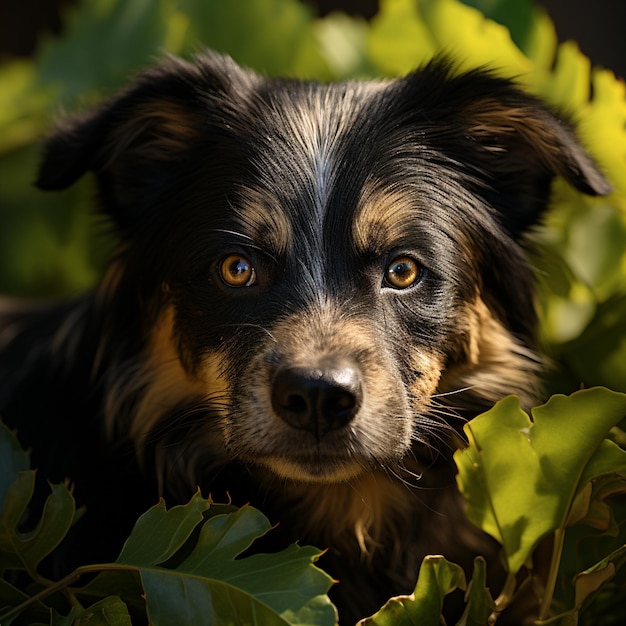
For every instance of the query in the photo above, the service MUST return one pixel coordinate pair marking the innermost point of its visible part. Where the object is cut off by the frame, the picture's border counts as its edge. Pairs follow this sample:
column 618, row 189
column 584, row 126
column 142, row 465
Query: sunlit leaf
column 399, row 40
column 480, row 604
column 437, row 578
column 24, row 113
column 343, row 44
column 519, row 479
column 465, row 34
column 517, row 15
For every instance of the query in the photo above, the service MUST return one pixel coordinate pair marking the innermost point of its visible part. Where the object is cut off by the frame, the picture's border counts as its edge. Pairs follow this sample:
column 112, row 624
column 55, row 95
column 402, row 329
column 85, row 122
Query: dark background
column 597, row 25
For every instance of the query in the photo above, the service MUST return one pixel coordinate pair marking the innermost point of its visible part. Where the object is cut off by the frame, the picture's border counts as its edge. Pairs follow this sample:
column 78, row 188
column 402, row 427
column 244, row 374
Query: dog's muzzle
column 317, row 399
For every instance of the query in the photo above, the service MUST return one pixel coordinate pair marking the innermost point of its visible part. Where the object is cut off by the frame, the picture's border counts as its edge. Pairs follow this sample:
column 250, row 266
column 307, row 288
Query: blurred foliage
column 50, row 244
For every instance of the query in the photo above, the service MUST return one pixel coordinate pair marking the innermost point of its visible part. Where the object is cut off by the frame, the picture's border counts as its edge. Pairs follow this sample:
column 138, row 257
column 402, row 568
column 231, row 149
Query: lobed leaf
column 25, row 550
column 160, row 533
column 209, row 582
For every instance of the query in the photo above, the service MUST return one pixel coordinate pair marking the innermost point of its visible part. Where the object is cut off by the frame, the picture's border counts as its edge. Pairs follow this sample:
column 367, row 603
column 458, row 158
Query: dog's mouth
column 313, row 469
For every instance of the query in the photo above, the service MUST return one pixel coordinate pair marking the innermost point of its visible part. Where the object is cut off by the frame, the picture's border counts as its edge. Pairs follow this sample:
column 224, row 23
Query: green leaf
column 160, row 533
column 406, row 33
column 110, row 611
column 437, row 578
column 183, row 600
column 25, row 550
column 458, row 27
column 123, row 583
column 519, row 479
column 10, row 597
column 23, row 106
column 399, row 40
column 480, row 604
column 588, row 585
column 211, row 583
column 342, row 42
column 274, row 36
column 222, row 538
column 516, row 15
column 13, row 460
column 104, row 41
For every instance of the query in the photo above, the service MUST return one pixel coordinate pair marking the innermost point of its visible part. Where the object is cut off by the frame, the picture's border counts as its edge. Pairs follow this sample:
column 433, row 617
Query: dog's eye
column 237, row 271
column 403, row 272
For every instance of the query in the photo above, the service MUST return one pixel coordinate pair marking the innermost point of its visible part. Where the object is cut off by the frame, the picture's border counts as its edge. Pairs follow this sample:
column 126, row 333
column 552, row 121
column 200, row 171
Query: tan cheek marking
column 493, row 364
column 430, row 367
column 166, row 384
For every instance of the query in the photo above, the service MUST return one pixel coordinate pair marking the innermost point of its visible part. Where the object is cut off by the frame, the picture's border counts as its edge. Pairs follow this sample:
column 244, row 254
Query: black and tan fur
column 322, row 392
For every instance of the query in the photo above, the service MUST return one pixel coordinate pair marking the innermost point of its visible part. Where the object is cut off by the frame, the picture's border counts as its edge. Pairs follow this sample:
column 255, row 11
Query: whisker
column 235, row 233
column 445, row 394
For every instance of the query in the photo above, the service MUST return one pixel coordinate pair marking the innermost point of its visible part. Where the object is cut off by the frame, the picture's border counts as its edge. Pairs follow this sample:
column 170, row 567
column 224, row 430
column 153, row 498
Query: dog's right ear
column 135, row 141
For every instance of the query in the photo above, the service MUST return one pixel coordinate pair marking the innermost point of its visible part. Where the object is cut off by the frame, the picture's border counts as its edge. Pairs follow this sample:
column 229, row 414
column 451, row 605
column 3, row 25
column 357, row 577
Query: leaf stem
column 505, row 597
column 59, row 585
column 555, row 560
column 44, row 593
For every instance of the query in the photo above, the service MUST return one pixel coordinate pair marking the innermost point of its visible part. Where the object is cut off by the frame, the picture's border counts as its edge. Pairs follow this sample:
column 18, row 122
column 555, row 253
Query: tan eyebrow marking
column 265, row 221
column 381, row 218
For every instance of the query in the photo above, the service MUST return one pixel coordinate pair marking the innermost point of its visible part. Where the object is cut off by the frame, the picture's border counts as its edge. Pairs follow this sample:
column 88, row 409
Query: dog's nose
column 317, row 399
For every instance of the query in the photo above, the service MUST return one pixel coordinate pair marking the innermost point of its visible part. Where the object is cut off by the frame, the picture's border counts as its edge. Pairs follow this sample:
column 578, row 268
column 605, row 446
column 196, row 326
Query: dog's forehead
column 320, row 154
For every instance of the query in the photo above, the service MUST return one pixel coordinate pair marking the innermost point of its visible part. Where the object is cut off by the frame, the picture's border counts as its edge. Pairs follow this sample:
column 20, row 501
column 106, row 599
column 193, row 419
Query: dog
column 316, row 286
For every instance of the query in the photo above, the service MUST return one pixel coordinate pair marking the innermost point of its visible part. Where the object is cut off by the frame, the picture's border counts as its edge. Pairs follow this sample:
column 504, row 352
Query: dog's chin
column 313, row 470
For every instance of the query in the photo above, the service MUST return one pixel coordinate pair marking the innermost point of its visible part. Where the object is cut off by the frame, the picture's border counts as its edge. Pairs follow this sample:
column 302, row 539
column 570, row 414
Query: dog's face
column 323, row 274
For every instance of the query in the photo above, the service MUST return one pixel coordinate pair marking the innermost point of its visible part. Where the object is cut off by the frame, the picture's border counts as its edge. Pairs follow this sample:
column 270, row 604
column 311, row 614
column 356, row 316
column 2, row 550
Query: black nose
column 317, row 399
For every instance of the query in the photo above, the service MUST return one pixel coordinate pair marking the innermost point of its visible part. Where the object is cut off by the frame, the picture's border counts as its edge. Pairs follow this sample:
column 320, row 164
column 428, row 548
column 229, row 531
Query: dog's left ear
column 508, row 142
column 522, row 146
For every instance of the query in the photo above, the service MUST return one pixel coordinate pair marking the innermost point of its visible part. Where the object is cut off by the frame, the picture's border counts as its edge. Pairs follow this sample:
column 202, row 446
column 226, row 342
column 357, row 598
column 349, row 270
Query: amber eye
column 237, row 271
column 403, row 272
